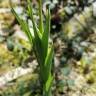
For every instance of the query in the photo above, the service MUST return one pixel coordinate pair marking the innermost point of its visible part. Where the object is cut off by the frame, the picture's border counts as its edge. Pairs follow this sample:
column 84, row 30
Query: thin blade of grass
column 37, row 35
column 30, row 11
column 45, row 37
column 48, row 85
column 24, row 26
column 41, row 17
column 48, row 62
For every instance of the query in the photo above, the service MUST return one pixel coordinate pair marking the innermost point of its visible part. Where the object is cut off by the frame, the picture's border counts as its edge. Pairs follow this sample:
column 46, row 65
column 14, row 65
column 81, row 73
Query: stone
column 94, row 9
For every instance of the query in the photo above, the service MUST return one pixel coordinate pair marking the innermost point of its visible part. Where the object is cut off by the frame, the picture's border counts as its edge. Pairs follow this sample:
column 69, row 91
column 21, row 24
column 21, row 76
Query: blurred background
column 73, row 31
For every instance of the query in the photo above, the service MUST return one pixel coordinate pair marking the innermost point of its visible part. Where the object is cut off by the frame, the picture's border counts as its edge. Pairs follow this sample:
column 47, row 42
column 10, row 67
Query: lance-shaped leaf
column 48, row 62
column 48, row 85
column 37, row 35
column 45, row 37
column 30, row 12
column 24, row 26
column 41, row 18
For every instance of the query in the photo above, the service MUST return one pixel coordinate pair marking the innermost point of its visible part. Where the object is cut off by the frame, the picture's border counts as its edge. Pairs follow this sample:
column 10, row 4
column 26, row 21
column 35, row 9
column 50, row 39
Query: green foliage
column 40, row 41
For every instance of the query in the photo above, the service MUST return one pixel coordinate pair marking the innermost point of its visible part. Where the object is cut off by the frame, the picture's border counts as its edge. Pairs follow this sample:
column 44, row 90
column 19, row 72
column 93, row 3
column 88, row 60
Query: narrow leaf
column 24, row 26
column 40, row 15
column 36, row 30
column 45, row 37
column 49, row 84
column 48, row 62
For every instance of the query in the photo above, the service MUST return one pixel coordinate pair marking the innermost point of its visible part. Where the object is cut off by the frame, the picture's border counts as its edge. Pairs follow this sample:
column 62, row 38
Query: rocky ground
column 75, row 52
